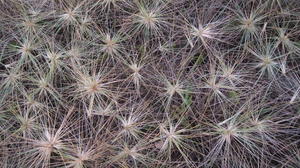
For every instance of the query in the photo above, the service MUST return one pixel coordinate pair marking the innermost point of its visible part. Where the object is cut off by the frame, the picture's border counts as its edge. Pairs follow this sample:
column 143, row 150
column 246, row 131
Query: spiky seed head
column 43, row 84
column 48, row 143
column 248, row 24
column 148, row 18
column 69, row 15
column 202, row 32
column 228, row 133
column 172, row 89
column 135, row 67
column 26, row 48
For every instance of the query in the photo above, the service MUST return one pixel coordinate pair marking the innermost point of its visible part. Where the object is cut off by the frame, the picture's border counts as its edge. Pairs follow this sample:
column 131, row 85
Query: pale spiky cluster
column 149, row 83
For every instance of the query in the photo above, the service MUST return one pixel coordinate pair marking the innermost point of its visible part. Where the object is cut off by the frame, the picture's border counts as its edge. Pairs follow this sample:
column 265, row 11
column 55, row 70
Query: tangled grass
column 149, row 83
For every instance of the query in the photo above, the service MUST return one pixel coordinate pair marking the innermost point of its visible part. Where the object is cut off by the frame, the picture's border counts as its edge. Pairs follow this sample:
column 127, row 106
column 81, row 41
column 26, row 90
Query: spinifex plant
column 149, row 83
